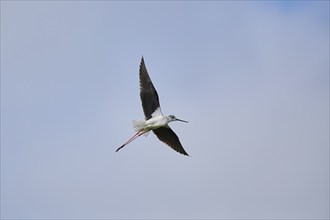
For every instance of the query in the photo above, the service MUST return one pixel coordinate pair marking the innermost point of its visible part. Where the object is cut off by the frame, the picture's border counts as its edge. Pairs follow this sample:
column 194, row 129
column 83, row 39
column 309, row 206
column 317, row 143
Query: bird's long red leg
column 136, row 135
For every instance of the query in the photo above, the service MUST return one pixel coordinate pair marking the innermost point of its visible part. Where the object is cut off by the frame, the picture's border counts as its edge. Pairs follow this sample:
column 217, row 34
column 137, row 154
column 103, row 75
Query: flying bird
column 154, row 119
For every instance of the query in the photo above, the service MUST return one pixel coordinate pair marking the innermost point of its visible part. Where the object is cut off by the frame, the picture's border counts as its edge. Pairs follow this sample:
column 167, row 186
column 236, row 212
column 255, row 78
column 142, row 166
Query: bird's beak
column 181, row 120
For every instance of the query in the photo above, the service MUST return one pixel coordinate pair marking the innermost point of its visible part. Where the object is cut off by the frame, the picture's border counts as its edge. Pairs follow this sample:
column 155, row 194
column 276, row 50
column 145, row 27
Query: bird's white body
column 156, row 121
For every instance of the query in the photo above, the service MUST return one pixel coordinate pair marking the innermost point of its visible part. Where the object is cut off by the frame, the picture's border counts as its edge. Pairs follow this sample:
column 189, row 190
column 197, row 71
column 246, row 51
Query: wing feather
column 167, row 135
column 148, row 93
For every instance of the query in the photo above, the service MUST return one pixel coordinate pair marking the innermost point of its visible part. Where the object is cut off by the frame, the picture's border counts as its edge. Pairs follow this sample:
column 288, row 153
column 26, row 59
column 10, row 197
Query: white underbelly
column 156, row 122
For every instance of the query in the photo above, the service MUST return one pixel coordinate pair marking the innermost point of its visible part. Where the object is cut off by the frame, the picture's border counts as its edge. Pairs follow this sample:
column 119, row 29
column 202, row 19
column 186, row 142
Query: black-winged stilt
column 154, row 119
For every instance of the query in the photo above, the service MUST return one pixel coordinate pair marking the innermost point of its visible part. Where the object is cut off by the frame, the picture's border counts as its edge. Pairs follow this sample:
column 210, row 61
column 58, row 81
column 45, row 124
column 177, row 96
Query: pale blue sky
column 251, row 77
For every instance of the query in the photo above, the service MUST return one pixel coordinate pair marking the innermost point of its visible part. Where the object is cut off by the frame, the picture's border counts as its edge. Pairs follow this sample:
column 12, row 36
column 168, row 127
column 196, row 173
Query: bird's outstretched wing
column 148, row 93
column 167, row 135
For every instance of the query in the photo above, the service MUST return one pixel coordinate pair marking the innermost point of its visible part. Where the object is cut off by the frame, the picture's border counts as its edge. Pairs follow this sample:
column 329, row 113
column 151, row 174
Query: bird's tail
column 139, row 125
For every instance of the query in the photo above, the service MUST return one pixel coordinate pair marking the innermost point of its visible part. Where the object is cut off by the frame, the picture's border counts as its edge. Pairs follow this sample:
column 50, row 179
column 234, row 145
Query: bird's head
column 173, row 118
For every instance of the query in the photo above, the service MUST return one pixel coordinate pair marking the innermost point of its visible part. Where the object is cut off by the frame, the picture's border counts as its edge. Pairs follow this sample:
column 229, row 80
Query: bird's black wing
column 167, row 135
column 148, row 93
